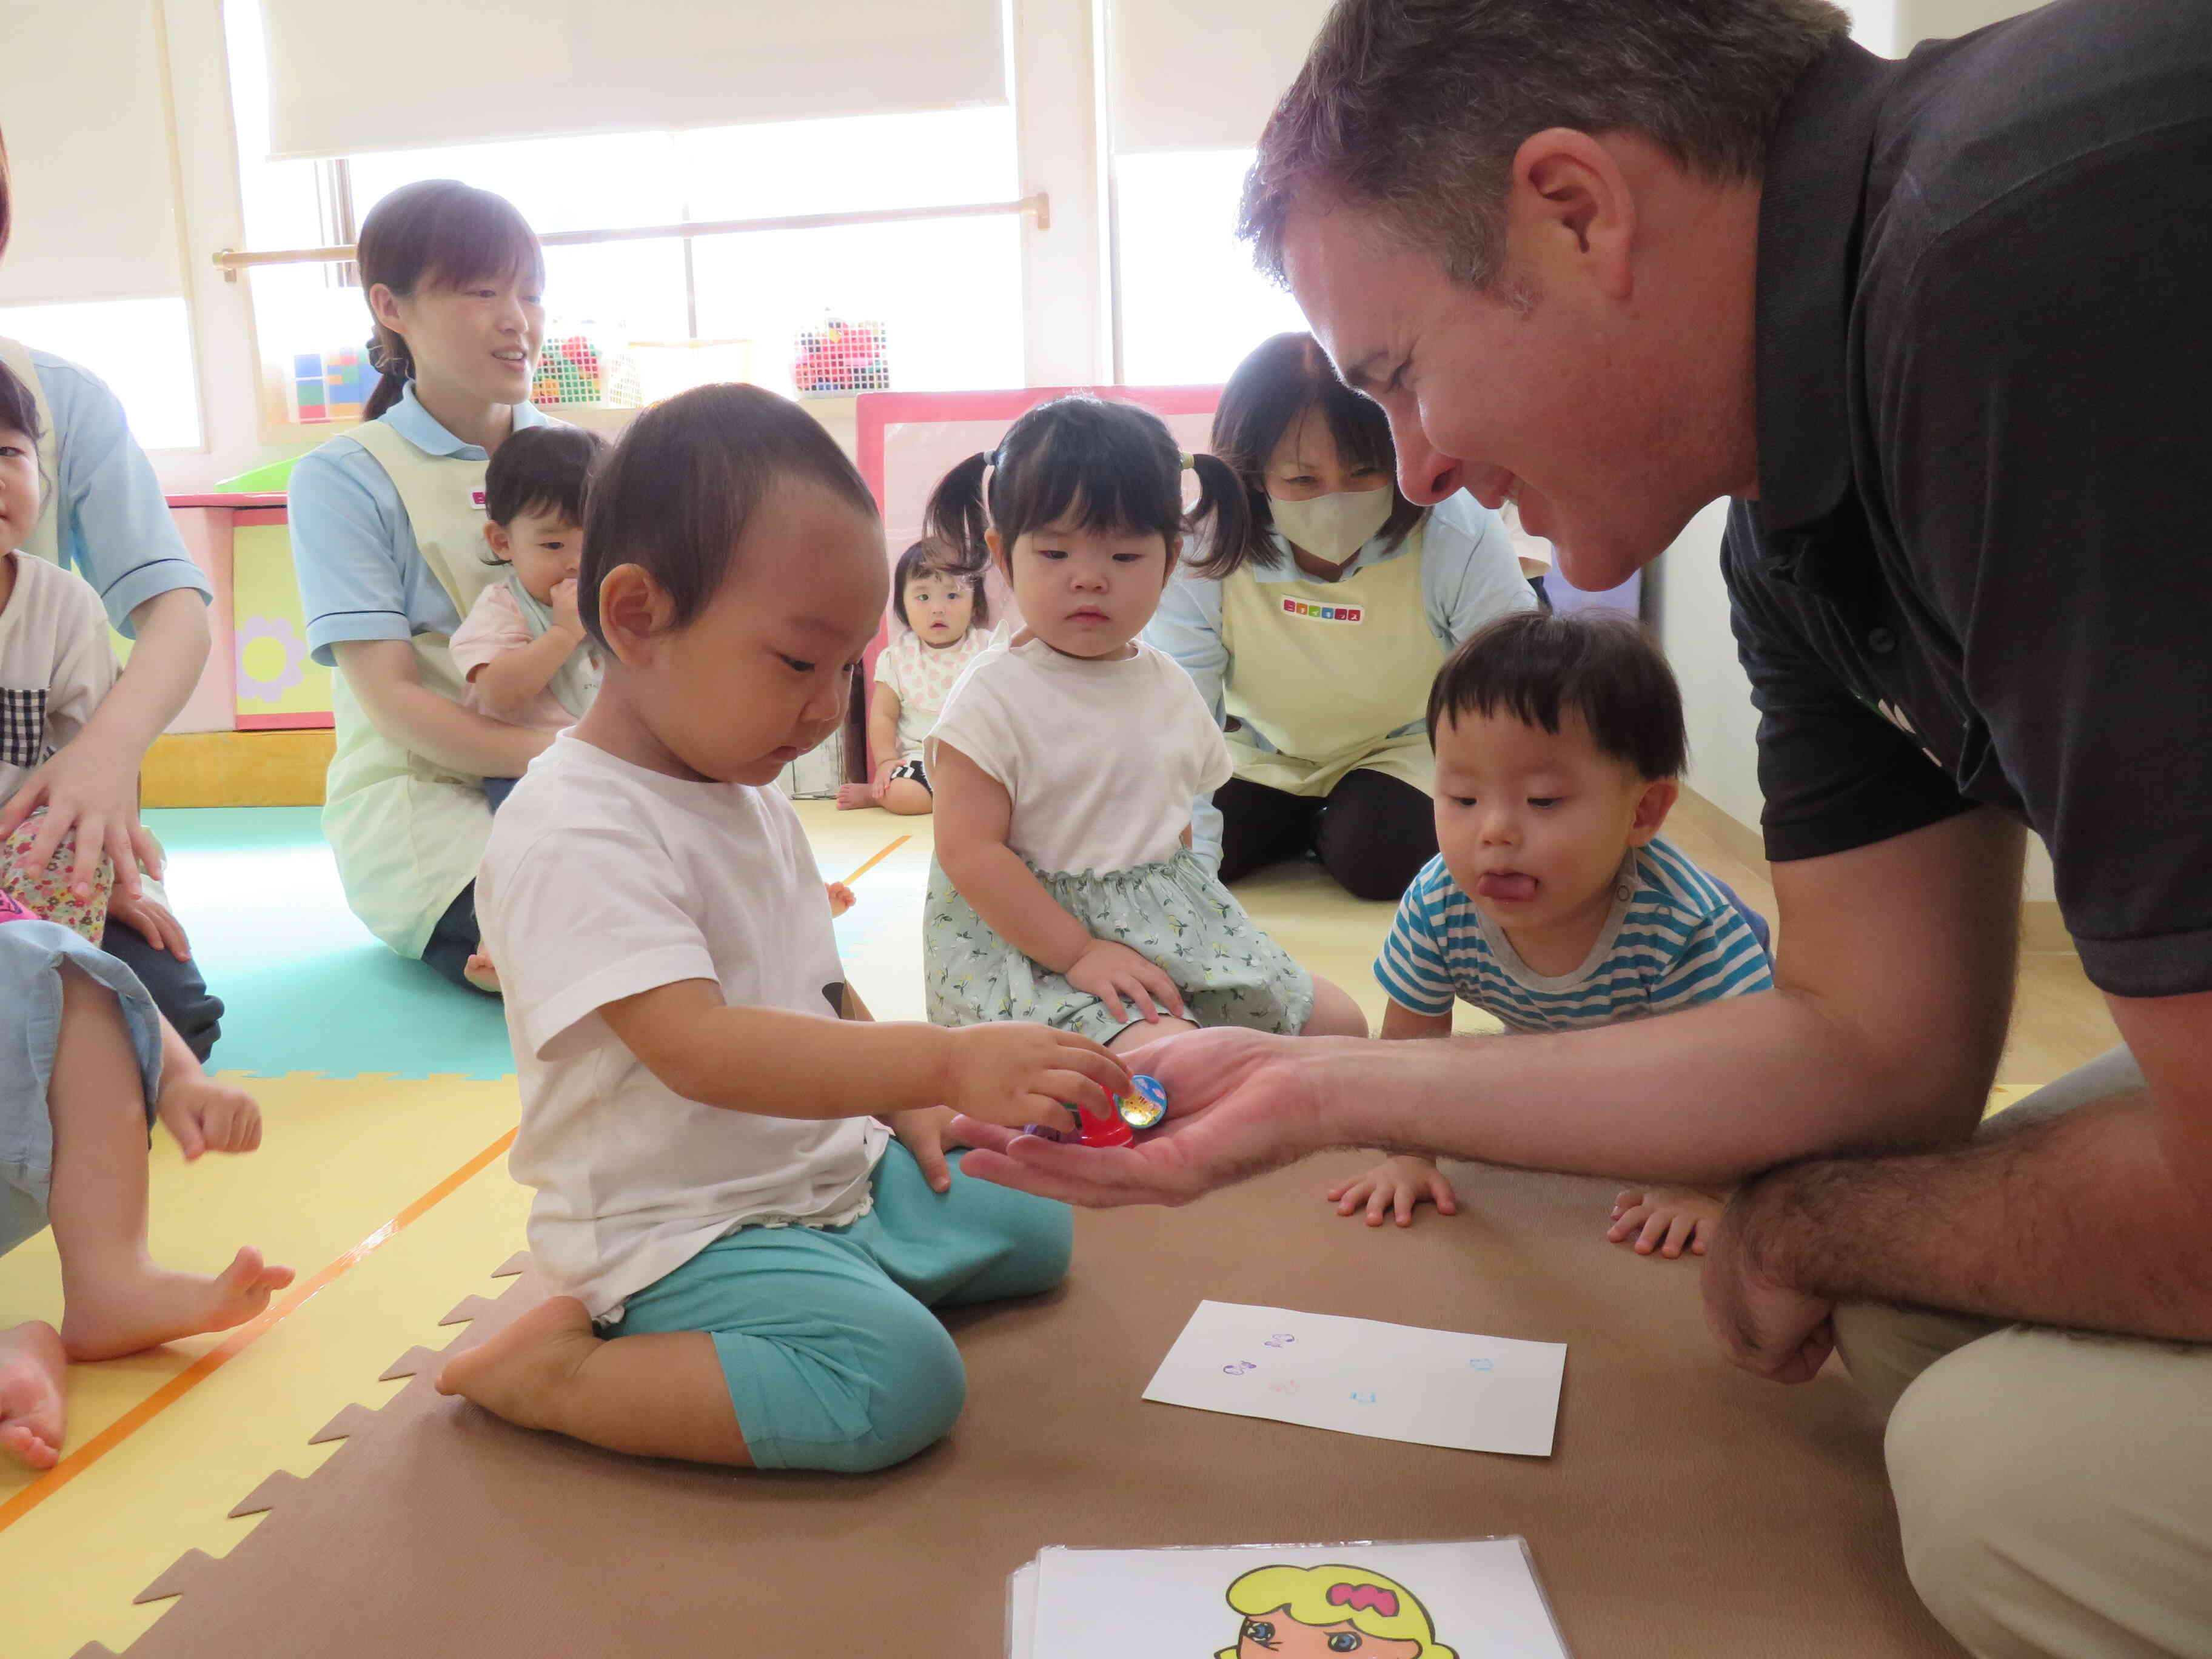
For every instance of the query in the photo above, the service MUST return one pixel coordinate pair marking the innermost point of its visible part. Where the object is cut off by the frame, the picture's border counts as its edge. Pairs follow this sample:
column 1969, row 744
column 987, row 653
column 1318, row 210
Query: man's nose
column 1425, row 473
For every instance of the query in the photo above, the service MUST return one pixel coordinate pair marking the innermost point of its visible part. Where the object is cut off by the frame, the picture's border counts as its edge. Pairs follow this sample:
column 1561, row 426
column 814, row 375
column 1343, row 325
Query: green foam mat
column 305, row 988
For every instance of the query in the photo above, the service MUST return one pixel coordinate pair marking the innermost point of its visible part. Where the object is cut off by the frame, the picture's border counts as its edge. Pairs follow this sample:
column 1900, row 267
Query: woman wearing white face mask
column 1314, row 643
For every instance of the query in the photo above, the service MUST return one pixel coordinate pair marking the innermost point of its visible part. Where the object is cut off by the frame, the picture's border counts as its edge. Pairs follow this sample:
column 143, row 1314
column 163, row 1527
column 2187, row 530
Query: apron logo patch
column 477, row 500
column 1342, row 613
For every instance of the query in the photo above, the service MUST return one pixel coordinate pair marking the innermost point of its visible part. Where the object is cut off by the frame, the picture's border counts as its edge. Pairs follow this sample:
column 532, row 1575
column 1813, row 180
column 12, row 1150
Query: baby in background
column 744, row 1209
column 946, row 616
column 1553, row 904
column 522, row 648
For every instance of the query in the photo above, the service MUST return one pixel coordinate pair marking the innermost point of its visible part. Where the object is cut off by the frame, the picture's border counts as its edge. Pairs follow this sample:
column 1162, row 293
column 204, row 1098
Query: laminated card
column 1362, row 1377
column 1477, row 1599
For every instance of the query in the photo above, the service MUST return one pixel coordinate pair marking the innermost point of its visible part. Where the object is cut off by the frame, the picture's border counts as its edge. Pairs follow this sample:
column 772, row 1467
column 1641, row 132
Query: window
column 141, row 348
column 1192, row 304
column 653, row 315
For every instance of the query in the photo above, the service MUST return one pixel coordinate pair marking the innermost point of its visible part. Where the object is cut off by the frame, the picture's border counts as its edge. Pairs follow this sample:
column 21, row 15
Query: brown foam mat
column 1687, row 1509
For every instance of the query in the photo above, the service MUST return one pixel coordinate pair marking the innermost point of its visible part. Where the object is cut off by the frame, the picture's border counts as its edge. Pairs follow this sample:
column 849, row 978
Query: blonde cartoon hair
column 1370, row 1603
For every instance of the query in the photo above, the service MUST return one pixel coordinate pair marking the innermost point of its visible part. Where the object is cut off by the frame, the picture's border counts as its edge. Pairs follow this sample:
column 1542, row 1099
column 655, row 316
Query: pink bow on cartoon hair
column 1356, row 1596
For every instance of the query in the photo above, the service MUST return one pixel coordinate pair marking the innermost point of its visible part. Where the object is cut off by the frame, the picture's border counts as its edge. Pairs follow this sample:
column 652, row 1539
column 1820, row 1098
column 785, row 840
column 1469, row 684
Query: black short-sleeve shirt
column 1979, row 569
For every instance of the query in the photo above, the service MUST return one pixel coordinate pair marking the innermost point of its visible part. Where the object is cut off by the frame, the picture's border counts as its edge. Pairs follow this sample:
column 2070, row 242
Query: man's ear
column 1572, row 212
column 635, row 610
column 1657, row 800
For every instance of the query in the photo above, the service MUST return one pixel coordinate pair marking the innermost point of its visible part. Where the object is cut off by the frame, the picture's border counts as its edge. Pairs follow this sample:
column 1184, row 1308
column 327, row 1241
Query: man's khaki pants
column 2054, row 1489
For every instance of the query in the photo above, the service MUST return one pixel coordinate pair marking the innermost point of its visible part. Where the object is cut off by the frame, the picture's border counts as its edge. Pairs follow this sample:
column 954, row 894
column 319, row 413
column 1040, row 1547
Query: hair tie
column 1188, row 464
column 384, row 360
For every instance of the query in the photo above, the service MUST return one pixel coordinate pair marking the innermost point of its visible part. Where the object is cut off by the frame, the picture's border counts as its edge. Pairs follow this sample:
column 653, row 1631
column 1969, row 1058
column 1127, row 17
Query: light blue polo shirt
column 111, row 523
column 362, row 576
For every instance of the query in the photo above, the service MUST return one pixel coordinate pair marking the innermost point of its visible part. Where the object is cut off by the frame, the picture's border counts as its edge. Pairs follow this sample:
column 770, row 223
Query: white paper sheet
column 1021, row 1612
column 1363, row 1377
column 1480, row 1599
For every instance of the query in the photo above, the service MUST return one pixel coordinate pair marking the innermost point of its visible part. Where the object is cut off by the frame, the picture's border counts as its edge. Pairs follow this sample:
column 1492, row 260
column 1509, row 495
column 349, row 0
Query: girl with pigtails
column 1066, row 761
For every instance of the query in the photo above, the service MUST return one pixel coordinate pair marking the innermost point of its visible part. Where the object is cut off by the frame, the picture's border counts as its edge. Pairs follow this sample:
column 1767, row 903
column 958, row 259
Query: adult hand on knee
column 1239, row 1103
column 1764, row 1324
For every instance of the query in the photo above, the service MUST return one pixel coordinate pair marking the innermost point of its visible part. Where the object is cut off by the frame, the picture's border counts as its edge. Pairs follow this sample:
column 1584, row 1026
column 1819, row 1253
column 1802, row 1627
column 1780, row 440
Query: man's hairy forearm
column 2080, row 1220
column 1706, row 1097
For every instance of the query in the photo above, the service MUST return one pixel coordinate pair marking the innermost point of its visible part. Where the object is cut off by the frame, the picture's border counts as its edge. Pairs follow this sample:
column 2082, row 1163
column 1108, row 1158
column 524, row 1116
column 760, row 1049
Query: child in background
column 1065, row 761
column 946, row 616
column 744, row 1260
column 522, row 649
column 56, row 666
column 1553, row 904
column 87, row 1066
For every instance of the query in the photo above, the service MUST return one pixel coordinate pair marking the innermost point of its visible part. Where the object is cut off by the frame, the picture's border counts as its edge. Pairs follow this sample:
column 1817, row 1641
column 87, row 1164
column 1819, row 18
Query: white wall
column 1945, row 20
column 1689, row 604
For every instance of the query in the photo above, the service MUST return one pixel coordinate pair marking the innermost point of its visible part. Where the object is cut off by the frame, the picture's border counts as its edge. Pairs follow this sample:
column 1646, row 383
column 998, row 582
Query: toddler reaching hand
column 744, row 1208
column 1553, row 904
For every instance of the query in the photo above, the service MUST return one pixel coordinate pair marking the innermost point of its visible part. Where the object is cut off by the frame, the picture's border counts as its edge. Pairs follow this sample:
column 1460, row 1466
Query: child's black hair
column 1113, row 466
column 677, row 493
column 1539, row 665
column 1284, row 379
column 927, row 555
column 444, row 234
column 19, row 408
column 546, row 469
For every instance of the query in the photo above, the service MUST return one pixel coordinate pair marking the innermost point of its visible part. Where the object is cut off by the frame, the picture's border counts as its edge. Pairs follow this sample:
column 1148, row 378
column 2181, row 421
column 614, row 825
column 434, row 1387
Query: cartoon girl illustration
column 1307, row 1613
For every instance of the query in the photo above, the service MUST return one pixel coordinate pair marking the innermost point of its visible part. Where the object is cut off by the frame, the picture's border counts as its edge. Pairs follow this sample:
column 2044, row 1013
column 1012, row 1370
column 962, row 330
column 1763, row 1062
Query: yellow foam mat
column 340, row 1160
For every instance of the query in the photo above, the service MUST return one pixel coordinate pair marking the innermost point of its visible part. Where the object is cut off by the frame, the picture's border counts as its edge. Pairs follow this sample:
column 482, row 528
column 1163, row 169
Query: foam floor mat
column 1687, row 1508
column 305, row 985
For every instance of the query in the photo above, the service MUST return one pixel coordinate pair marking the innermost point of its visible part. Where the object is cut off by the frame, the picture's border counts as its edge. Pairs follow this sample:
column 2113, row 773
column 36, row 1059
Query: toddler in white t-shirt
column 1065, row 763
column 744, row 1260
column 944, row 620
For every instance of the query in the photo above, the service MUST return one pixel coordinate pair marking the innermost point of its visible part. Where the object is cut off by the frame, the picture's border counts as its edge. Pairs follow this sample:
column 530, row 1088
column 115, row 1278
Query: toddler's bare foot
column 853, row 795
column 521, row 1371
column 32, row 1362
column 480, row 973
column 153, row 1305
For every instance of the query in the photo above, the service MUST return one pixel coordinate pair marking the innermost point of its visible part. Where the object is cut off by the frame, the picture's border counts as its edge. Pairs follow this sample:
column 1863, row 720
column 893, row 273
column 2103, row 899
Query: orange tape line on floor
column 877, row 859
column 235, row 1343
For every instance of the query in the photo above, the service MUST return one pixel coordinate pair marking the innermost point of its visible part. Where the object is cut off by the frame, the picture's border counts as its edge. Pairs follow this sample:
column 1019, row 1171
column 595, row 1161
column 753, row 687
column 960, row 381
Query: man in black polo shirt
column 1943, row 329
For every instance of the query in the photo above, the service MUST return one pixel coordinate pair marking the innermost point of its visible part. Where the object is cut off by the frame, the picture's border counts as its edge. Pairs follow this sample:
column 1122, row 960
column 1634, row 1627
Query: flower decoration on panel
column 277, row 666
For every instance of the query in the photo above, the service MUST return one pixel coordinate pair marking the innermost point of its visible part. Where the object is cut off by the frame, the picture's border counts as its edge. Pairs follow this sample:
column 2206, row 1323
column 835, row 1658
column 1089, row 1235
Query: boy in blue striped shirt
column 1553, row 904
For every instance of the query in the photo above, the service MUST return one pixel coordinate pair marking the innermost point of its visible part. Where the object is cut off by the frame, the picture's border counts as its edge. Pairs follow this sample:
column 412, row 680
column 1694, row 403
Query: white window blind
column 86, row 118
column 436, row 73
column 1203, row 74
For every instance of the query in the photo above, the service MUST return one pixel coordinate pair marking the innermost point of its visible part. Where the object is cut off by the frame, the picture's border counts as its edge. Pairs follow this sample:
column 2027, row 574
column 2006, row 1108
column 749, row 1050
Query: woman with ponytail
column 1065, row 890
column 103, row 514
column 1315, row 630
column 388, row 537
